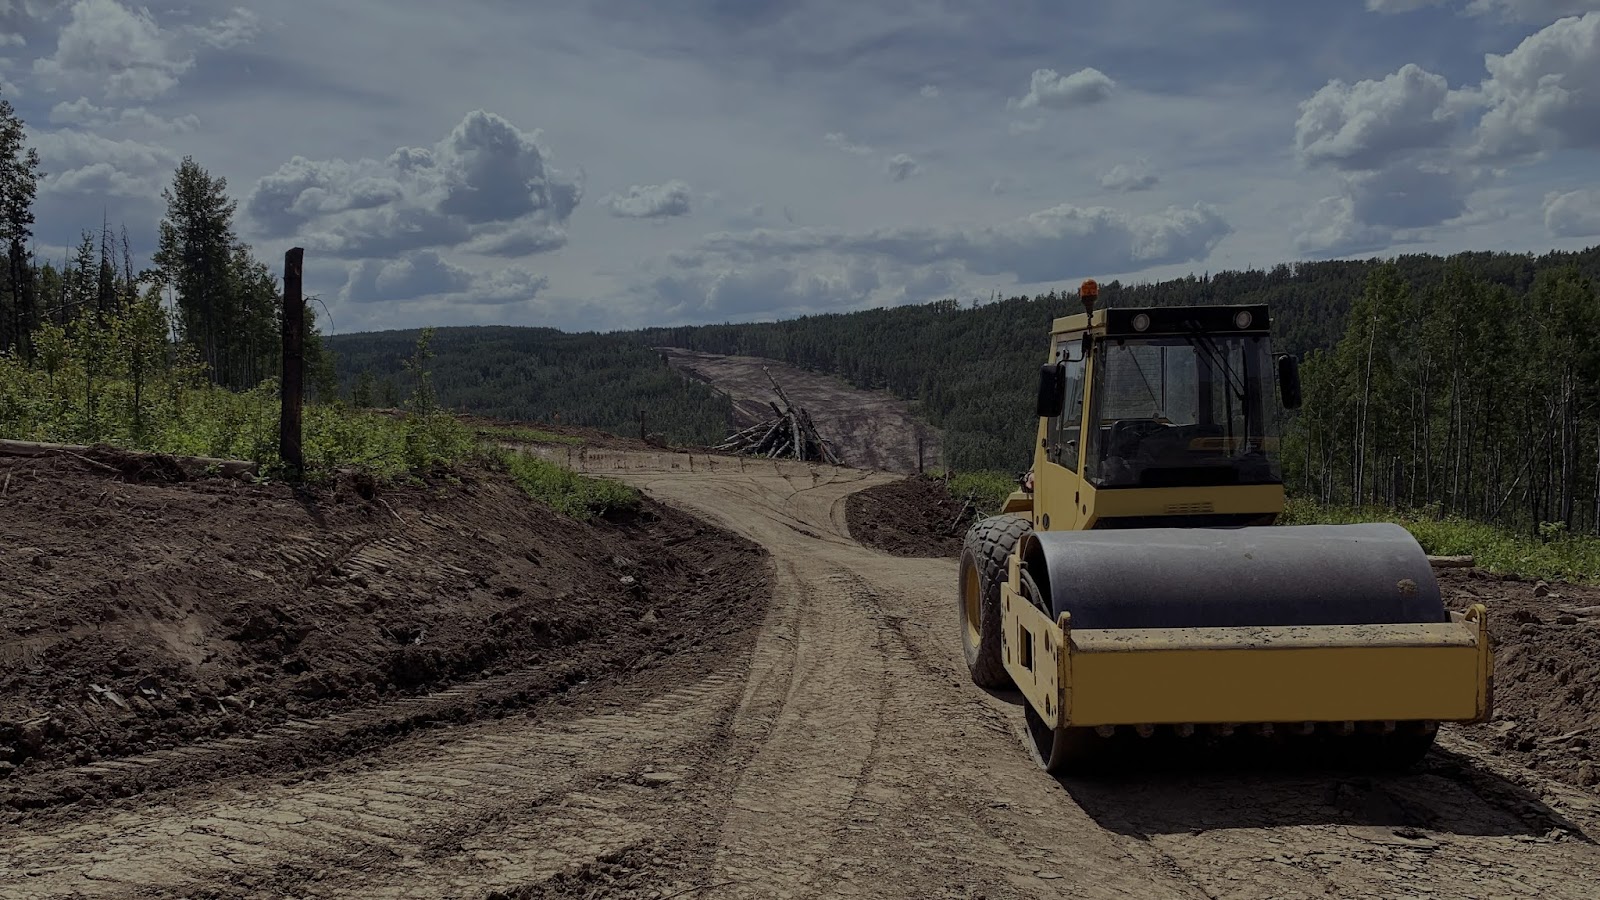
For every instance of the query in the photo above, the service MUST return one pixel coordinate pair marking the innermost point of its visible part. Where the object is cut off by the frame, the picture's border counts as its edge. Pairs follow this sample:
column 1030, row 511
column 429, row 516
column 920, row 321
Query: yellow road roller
column 1137, row 590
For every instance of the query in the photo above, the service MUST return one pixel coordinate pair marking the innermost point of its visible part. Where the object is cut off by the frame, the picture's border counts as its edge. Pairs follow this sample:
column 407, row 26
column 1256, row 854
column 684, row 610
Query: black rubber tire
column 988, row 544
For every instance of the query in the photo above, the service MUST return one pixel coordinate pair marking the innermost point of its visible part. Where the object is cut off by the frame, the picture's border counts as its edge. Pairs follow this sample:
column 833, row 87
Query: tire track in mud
column 490, row 808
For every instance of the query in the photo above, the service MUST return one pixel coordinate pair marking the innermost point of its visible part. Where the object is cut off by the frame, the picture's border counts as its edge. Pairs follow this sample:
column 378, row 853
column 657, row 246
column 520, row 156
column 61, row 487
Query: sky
column 619, row 163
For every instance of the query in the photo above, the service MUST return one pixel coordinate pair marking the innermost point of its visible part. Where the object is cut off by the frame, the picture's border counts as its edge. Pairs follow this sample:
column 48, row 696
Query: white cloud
column 1510, row 10
column 123, row 50
column 1573, row 214
column 239, row 27
column 1049, row 245
column 425, row 275
column 1374, row 208
column 930, row 91
column 1051, row 90
column 1134, row 176
column 1545, row 94
column 901, row 166
column 650, row 201
column 487, row 180
column 1370, row 123
column 83, row 162
column 839, row 141
column 82, row 112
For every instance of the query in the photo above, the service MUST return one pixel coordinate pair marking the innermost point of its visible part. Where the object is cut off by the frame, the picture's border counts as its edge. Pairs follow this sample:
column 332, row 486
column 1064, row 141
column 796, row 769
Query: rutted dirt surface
column 1547, row 671
column 142, row 616
column 915, row 516
column 869, row 429
column 845, row 754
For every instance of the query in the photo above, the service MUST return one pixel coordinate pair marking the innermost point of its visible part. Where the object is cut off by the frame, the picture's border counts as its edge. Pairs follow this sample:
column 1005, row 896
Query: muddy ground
column 139, row 615
column 869, row 429
column 914, row 516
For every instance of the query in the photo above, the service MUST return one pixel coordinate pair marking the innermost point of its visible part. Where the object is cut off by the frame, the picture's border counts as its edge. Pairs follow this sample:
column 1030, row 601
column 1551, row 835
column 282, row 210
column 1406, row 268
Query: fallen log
column 1451, row 562
column 231, row 468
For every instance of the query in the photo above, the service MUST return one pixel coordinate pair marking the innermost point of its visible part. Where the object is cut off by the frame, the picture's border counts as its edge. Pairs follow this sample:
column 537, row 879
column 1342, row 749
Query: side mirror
column 1052, row 390
column 1289, row 381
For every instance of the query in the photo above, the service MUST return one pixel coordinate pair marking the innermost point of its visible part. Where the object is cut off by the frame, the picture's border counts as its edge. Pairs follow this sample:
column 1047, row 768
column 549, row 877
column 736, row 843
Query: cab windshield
column 1185, row 410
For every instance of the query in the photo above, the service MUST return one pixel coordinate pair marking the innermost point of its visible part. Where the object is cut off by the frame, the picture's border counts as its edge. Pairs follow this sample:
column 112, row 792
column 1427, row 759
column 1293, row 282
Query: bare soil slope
column 870, row 429
column 137, row 616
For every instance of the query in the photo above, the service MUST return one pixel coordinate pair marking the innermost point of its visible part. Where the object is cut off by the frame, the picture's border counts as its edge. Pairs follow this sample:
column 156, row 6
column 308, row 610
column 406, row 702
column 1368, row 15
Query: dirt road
column 845, row 754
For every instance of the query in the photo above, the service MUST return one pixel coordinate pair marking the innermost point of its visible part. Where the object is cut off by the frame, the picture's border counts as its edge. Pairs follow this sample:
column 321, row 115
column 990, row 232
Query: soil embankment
column 148, row 614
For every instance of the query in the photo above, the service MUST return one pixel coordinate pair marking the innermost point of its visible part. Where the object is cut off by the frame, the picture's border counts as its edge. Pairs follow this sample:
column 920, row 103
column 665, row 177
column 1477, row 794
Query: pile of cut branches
column 789, row 434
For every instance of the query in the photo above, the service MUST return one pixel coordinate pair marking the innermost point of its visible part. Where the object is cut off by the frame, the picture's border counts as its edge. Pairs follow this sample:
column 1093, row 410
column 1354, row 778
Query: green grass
column 988, row 489
column 189, row 417
column 563, row 490
column 526, row 435
column 1553, row 555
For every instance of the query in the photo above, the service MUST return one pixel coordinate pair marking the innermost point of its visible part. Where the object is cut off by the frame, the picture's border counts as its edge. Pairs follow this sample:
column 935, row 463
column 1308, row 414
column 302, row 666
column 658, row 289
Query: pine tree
column 195, row 258
column 19, row 183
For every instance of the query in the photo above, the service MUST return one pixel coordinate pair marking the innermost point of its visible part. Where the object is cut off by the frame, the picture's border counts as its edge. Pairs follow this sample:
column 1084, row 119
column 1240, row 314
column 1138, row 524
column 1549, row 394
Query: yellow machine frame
column 1219, row 676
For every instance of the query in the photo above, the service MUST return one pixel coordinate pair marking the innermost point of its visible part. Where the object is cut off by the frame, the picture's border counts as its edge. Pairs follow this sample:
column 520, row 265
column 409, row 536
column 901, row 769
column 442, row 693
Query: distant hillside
column 540, row 375
column 968, row 370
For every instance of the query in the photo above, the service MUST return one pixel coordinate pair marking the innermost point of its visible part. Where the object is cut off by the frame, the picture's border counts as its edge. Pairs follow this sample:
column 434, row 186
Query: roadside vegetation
column 1553, row 553
column 525, row 435
column 988, row 489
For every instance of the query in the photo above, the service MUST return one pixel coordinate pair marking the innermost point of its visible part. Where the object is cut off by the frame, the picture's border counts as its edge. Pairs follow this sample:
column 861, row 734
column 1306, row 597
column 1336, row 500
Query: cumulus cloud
column 1370, row 123
column 238, row 27
column 901, row 166
column 125, row 53
column 1573, row 214
column 930, row 91
column 1049, row 89
column 1135, row 176
column 83, row 162
column 1375, row 207
column 487, row 180
column 1512, row 10
column 650, row 201
column 124, row 49
column 425, row 275
column 1545, row 94
column 82, row 112
column 837, row 140
column 1049, row 245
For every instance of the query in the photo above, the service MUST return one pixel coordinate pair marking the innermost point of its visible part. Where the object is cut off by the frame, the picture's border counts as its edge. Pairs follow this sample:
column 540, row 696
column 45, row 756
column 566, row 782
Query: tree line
column 1461, row 395
column 204, row 309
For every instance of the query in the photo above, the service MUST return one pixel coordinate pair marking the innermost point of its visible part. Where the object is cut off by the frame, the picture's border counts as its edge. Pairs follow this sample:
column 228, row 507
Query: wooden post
column 294, row 333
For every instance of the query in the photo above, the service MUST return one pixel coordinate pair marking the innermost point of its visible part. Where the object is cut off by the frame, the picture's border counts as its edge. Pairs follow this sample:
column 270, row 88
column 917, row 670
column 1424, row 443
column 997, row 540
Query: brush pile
column 789, row 434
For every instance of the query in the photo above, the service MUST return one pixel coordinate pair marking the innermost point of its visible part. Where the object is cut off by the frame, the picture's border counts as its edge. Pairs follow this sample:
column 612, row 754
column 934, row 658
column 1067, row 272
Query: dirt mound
column 910, row 517
column 1547, row 670
column 139, row 612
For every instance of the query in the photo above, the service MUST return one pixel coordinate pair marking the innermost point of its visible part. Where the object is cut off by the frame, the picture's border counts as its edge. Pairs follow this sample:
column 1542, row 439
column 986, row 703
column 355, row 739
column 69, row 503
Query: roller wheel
column 983, row 566
column 1394, row 752
column 1062, row 750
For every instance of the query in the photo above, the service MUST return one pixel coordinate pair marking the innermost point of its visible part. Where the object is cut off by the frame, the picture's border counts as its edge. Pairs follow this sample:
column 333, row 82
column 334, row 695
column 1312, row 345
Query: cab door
column 1057, row 487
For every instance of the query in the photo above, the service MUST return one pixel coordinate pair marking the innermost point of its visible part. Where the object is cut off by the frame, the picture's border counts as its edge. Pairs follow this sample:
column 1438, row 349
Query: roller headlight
column 1141, row 322
column 1242, row 318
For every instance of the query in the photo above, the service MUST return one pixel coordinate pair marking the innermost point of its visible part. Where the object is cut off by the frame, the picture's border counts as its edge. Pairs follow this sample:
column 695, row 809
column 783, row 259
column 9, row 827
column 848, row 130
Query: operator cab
column 1176, row 397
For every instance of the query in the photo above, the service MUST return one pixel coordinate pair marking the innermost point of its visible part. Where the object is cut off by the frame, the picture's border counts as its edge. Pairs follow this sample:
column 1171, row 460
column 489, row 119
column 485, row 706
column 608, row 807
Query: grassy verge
column 563, row 490
column 1553, row 556
column 988, row 489
column 526, row 435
